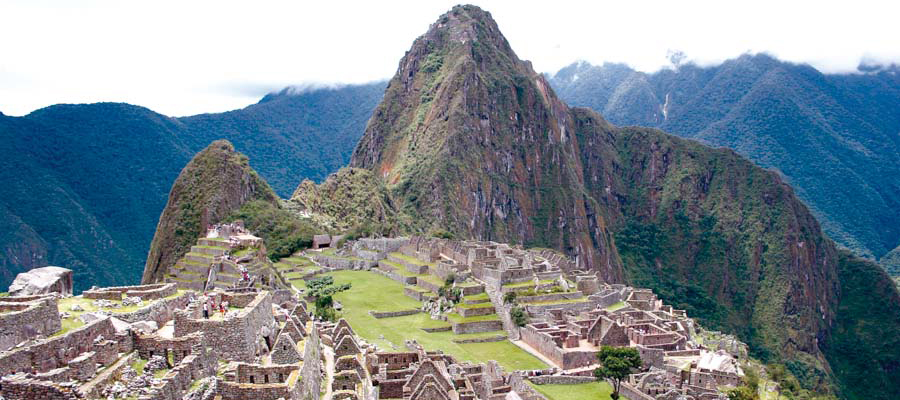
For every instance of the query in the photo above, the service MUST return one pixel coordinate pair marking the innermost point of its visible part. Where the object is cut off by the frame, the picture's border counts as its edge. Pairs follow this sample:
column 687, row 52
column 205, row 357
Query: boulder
column 44, row 280
column 146, row 327
column 92, row 316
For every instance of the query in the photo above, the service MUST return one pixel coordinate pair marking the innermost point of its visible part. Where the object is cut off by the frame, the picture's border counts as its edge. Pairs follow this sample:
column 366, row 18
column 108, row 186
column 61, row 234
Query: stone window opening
column 252, row 379
column 266, row 377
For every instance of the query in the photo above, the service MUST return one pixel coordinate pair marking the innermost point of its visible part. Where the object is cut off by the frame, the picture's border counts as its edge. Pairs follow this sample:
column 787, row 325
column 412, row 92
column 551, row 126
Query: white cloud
column 187, row 57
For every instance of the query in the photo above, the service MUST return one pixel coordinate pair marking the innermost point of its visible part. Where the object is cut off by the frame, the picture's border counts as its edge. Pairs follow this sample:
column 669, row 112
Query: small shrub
column 509, row 297
column 518, row 316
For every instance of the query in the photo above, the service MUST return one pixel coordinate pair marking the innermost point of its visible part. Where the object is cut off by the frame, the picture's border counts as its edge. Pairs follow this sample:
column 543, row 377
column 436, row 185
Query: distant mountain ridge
column 85, row 183
column 835, row 137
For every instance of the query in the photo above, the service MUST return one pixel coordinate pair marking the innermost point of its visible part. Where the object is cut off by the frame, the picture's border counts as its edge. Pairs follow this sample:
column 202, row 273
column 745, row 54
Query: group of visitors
column 210, row 304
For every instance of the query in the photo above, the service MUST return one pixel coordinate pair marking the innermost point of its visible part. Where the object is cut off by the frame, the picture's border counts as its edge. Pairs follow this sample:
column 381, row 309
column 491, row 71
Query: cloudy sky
column 187, row 57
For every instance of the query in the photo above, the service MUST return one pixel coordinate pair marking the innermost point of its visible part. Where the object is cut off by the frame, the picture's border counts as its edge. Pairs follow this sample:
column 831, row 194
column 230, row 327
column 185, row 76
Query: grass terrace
column 73, row 322
column 581, row 391
column 371, row 291
column 552, row 302
column 412, row 259
column 475, row 305
column 527, row 284
column 459, row 319
column 477, row 297
column 617, row 306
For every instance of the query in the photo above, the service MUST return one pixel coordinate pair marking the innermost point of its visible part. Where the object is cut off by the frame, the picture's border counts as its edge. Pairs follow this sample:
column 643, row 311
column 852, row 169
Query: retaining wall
column 24, row 321
column 477, row 327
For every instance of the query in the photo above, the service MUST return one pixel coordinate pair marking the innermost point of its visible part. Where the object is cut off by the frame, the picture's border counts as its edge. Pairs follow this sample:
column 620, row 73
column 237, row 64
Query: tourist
column 222, row 308
column 206, row 310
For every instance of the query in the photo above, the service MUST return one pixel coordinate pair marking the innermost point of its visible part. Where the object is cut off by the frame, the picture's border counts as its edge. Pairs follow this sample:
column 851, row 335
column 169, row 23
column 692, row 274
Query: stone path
column 167, row 331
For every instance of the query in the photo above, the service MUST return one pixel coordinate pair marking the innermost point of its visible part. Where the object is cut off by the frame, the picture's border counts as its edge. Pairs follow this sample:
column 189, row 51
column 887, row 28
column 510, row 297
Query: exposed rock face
column 42, row 280
column 217, row 181
column 469, row 138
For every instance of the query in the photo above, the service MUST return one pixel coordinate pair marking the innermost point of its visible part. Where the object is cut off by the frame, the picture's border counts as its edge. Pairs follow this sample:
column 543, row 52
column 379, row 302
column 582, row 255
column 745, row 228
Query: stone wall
column 107, row 376
column 236, row 337
column 55, row 352
column 148, row 346
column 384, row 245
column 561, row 379
column 160, row 311
column 525, row 391
column 24, row 321
column 177, row 381
column 543, row 343
column 632, row 393
column 311, row 370
column 474, row 311
column 21, row 388
column 145, row 292
column 391, row 314
column 343, row 262
column 291, row 389
column 477, row 327
column 262, row 374
column 536, row 309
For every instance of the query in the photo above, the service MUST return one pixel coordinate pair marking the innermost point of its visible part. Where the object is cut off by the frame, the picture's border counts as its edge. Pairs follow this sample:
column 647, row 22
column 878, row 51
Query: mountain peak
column 217, row 181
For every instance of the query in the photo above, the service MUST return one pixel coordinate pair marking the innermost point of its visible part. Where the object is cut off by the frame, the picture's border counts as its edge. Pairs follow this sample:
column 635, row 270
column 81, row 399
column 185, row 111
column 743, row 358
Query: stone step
column 212, row 242
column 199, row 257
column 213, row 251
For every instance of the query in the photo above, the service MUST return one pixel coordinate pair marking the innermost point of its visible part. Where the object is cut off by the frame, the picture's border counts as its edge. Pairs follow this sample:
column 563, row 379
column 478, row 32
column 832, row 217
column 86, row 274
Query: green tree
column 518, row 316
column 616, row 363
column 323, row 289
column 510, row 297
column 742, row 393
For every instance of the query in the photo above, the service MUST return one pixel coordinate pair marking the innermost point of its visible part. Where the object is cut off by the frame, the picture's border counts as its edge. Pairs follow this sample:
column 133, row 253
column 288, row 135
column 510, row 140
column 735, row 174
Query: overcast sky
column 186, row 57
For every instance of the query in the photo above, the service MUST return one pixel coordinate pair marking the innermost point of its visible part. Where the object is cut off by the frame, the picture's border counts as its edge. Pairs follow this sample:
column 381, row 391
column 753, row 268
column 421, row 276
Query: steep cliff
column 215, row 183
column 470, row 139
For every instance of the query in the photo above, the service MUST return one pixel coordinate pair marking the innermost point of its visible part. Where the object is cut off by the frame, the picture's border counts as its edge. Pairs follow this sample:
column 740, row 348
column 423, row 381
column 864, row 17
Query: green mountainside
column 833, row 136
column 214, row 184
column 468, row 138
column 85, row 184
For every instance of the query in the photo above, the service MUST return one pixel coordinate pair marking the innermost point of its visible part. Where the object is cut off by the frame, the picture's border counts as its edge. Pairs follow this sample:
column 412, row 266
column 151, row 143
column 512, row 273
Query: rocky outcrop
column 216, row 182
column 44, row 280
column 470, row 139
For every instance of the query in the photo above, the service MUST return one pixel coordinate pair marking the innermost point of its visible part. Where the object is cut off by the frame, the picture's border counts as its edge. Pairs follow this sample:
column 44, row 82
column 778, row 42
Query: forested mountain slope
column 85, row 184
column 835, row 137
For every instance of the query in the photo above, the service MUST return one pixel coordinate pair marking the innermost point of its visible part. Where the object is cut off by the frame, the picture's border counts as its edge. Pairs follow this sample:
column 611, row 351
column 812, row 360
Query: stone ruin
column 258, row 350
column 228, row 257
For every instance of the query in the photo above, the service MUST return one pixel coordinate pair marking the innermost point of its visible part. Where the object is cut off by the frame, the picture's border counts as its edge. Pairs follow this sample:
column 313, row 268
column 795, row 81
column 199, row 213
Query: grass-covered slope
column 215, row 183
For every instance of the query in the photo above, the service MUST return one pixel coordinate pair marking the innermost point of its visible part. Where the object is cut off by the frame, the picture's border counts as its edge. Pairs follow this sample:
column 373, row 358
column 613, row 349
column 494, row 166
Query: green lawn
column 527, row 284
column 616, row 306
column 371, row 291
column 412, row 260
column 74, row 322
column 581, row 391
